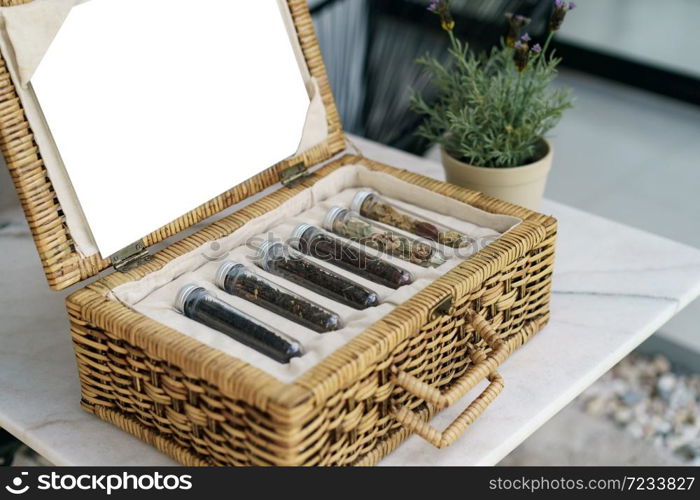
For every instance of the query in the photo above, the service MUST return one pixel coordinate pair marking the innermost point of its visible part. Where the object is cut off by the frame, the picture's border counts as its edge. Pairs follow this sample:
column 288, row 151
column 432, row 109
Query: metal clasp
column 442, row 308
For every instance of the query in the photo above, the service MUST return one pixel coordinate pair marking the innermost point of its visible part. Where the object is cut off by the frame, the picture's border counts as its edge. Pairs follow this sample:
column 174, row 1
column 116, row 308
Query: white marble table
column 614, row 286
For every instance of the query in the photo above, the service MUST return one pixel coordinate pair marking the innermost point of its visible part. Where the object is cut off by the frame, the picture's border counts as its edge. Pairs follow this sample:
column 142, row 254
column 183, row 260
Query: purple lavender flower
column 515, row 24
column 559, row 13
column 536, row 48
column 525, row 38
column 521, row 56
column 442, row 9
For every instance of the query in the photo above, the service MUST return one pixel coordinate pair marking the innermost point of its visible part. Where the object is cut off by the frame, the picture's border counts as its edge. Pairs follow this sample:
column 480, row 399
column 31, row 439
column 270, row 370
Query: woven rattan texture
column 63, row 265
column 202, row 407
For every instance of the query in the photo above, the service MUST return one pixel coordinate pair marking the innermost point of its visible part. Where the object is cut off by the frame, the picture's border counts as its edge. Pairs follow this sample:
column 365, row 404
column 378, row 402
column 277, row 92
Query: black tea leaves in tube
column 202, row 306
column 312, row 241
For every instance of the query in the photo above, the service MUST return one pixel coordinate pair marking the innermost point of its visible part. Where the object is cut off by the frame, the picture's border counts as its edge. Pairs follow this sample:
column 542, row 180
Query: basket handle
column 484, row 367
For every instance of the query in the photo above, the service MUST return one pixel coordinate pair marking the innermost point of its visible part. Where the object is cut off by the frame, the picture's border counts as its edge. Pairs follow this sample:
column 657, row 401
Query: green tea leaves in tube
column 376, row 208
column 352, row 226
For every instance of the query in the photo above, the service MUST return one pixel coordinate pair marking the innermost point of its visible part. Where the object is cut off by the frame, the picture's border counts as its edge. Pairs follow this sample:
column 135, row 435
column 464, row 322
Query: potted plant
column 492, row 111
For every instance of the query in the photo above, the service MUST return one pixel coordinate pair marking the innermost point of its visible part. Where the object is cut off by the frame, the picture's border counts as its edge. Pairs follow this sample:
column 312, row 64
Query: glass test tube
column 275, row 258
column 352, row 226
column 202, row 306
column 376, row 208
column 245, row 283
column 312, row 241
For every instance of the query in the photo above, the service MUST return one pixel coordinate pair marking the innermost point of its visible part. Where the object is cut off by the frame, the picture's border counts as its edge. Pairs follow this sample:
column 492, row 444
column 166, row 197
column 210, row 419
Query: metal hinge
column 130, row 257
column 291, row 176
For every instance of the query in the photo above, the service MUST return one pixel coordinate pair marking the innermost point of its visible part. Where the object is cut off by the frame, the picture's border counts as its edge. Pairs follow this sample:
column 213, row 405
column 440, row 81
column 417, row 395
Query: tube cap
column 263, row 252
column 331, row 216
column 183, row 295
column 223, row 271
column 298, row 233
column 359, row 199
column 437, row 258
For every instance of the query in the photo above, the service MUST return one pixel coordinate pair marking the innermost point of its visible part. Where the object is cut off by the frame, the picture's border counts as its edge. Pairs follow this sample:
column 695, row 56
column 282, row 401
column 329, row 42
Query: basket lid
column 65, row 259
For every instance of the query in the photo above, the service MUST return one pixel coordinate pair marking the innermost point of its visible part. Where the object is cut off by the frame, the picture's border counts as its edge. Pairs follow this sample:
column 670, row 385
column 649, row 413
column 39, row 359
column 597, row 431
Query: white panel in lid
column 157, row 106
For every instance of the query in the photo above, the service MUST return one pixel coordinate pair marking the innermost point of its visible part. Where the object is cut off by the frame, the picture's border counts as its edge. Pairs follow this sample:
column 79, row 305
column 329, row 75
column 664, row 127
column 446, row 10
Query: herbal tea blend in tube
column 351, row 225
column 276, row 259
column 199, row 305
column 312, row 241
column 245, row 283
column 374, row 207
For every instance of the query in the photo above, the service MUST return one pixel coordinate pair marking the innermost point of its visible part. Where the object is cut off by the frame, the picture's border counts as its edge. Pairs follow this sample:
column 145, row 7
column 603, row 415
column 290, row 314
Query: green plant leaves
column 487, row 113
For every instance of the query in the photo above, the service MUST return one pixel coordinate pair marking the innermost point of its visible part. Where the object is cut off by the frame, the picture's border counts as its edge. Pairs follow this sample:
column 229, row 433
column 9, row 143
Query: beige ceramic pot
column 522, row 186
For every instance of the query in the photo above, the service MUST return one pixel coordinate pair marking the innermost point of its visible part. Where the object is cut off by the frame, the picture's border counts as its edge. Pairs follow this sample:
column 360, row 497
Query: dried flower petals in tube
column 275, row 258
column 245, row 283
column 312, row 241
column 203, row 307
column 374, row 207
column 352, row 226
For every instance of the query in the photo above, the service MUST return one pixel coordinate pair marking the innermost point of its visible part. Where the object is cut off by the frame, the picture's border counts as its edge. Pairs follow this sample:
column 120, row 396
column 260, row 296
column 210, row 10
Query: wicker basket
column 203, row 407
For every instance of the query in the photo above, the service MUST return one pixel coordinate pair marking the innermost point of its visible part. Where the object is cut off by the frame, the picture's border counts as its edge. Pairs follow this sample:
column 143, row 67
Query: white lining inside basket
column 154, row 294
